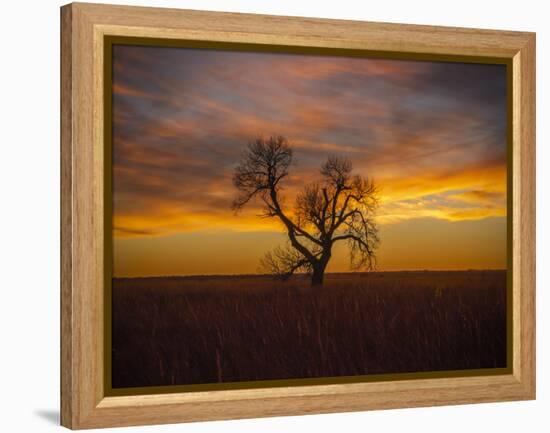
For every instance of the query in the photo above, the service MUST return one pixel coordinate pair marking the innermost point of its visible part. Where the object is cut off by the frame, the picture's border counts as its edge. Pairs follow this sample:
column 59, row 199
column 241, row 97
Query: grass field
column 190, row 330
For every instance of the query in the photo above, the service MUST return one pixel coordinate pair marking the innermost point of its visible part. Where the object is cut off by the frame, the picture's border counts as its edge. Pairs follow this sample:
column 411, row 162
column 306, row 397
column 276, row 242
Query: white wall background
column 29, row 220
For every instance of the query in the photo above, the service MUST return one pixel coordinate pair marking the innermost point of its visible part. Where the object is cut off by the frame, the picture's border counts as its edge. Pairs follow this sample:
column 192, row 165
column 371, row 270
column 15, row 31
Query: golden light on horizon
column 181, row 119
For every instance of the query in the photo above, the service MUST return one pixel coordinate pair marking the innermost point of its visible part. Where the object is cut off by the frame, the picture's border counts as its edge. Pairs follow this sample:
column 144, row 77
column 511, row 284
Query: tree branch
column 322, row 216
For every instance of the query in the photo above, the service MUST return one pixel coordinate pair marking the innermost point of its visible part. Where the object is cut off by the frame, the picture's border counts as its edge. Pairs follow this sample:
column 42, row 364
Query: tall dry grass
column 174, row 330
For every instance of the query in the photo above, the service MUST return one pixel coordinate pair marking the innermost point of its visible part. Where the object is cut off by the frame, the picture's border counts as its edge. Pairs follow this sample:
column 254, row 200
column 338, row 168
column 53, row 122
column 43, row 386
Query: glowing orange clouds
column 432, row 135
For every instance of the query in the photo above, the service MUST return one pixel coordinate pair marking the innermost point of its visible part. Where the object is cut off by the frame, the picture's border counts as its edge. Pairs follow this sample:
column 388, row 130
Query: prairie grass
column 190, row 330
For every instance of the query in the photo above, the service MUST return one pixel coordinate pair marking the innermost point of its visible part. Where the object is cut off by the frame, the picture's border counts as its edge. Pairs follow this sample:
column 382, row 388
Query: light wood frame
column 83, row 400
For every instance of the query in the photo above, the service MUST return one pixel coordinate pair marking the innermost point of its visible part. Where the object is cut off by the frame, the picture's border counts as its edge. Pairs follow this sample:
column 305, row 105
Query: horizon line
column 303, row 274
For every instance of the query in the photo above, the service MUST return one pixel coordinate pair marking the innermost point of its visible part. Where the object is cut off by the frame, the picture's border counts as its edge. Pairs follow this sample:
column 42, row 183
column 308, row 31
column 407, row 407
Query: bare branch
column 337, row 171
column 310, row 206
column 361, row 233
column 263, row 165
column 340, row 207
column 283, row 262
column 362, row 195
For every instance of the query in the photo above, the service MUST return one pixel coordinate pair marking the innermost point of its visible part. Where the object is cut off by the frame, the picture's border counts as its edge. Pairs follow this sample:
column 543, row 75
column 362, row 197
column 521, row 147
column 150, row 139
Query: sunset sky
column 432, row 135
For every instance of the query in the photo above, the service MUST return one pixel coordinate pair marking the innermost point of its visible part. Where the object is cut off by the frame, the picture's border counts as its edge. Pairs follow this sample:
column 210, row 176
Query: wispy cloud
column 432, row 134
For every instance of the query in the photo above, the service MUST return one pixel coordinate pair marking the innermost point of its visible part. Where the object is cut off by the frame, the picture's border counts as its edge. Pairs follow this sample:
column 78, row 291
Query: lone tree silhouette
column 340, row 207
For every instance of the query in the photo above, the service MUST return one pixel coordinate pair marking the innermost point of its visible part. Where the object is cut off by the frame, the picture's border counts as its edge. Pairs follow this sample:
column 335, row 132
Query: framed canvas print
column 268, row 215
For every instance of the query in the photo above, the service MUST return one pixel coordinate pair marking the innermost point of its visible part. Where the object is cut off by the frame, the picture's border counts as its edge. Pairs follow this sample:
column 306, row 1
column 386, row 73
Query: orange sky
column 432, row 135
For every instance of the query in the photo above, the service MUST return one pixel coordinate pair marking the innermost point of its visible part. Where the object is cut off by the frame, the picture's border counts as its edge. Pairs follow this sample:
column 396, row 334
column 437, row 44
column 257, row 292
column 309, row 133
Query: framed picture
column 267, row 215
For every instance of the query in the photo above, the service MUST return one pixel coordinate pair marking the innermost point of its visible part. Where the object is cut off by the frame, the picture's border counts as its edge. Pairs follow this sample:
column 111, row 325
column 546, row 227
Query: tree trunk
column 318, row 273
column 319, row 267
column 317, row 276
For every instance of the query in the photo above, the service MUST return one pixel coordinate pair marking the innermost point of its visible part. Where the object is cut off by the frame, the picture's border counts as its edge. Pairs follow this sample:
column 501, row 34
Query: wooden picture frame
column 84, row 28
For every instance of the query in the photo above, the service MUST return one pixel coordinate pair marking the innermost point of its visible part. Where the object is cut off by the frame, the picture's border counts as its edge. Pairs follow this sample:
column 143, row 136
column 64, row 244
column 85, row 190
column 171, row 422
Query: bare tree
column 340, row 207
